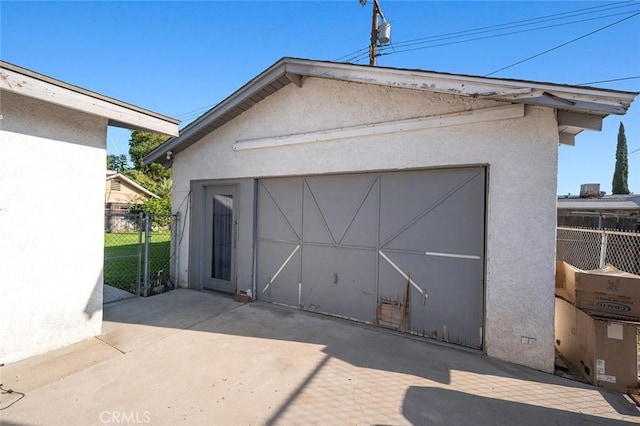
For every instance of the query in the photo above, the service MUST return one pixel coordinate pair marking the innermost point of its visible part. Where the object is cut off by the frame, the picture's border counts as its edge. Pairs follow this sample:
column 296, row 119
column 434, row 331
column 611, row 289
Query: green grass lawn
column 121, row 257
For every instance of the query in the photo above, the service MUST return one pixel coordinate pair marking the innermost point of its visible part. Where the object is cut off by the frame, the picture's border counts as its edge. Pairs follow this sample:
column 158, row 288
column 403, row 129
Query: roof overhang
column 608, row 203
column 582, row 105
column 120, row 114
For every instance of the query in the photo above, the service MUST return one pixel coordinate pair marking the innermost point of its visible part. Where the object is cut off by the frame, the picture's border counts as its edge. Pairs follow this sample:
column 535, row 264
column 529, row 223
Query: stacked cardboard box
column 607, row 292
column 597, row 314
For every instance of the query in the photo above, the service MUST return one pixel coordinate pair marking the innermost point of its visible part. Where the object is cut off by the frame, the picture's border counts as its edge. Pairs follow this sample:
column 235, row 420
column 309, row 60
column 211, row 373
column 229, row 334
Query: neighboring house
column 52, row 237
column 593, row 209
column 120, row 194
column 348, row 189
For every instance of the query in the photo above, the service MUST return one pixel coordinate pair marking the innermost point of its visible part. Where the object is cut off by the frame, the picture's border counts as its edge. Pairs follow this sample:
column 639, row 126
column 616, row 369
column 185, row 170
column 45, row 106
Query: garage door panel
column 453, row 308
column 399, row 270
column 362, row 230
column 449, row 227
column 272, row 224
column 339, row 281
column 407, row 195
column 364, row 240
column 278, row 272
column 338, row 198
column 452, row 311
column 285, row 196
column 315, row 228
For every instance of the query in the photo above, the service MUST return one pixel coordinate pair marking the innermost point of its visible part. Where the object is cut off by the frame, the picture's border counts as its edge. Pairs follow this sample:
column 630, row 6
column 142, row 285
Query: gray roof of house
column 606, row 203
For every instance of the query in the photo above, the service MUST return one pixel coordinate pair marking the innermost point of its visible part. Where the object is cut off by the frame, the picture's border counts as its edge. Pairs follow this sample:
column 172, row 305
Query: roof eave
column 589, row 100
column 120, row 114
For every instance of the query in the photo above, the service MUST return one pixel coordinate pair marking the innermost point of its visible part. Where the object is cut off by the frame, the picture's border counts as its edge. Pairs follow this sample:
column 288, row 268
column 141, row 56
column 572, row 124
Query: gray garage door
column 401, row 249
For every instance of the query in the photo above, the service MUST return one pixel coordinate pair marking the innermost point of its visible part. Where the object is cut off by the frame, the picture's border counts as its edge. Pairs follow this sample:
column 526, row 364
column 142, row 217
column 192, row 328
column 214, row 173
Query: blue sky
column 177, row 58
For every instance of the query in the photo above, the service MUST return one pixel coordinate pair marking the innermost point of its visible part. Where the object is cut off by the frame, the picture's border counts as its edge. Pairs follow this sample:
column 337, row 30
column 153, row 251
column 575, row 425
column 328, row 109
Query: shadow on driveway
column 467, row 385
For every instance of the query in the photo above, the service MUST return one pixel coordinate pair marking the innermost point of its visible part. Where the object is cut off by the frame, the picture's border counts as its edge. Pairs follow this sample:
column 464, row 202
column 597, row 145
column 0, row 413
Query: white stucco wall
column 52, row 168
column 522, row 159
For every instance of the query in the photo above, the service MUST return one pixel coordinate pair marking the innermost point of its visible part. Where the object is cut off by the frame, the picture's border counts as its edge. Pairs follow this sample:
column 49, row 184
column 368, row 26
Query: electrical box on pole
column 380, row 31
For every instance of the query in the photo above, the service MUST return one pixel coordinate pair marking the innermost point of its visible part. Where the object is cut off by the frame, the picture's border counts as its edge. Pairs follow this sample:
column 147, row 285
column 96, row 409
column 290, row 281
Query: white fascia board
column 119, row 115
column 581, row 98
column 407, row 79
column 267, row 77
column 453, row 84
column 242, row 94
column 454, row 119
column 568, row 102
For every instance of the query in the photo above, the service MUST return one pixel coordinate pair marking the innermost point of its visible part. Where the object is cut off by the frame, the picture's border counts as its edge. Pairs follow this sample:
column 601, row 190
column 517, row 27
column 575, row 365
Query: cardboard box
column 602, row 350
column 607, row 291
column 566, row 281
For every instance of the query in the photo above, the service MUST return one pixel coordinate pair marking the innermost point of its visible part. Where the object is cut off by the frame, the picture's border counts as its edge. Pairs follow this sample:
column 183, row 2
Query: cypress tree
column 620, row 175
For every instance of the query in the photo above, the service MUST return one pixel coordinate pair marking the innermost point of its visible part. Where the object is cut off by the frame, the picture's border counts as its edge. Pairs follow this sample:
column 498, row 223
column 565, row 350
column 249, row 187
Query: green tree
column 154, row 176
column 160, row 207
column 143, row 179
column 621, row 172
column 142, row 143
column 119, row 163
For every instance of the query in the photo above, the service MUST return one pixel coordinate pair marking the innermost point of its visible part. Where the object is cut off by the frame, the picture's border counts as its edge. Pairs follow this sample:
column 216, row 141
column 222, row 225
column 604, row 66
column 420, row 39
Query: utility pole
column 373, row 47
column 375, row 29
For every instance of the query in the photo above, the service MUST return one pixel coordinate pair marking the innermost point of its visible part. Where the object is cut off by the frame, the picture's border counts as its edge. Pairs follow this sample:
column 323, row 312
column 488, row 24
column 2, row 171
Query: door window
column 222, row 237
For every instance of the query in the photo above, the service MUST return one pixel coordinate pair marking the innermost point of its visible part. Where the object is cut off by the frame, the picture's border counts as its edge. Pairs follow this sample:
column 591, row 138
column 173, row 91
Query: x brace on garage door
column 360, row 245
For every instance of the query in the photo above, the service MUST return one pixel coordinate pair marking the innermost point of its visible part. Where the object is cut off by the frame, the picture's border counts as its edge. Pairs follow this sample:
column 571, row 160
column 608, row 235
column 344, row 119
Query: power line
column 384, row 49
column 193, row 111
column 363, row 53
column 562, row 45
column 509, row 33
column 515, row 24
column 525, row 22
column 608, row 81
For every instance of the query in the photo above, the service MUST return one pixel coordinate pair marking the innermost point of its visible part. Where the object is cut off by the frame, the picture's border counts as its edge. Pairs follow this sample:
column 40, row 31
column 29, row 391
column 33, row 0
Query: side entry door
column 218, row 267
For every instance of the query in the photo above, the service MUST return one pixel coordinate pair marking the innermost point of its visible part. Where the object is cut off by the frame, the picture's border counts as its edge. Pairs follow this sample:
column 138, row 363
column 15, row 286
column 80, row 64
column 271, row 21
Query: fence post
column 603, row 248
column 176, row 251
column 147, row 238
column 139, row 275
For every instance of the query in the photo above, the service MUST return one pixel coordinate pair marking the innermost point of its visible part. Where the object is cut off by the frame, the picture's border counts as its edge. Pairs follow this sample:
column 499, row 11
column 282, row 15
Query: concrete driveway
column 197, row 358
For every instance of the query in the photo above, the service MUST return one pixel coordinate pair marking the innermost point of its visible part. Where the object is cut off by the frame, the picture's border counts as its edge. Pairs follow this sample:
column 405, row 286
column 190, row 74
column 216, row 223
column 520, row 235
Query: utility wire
column 363, row 53
column 509, row 33
column 516, row 24
column 497, row 27
column 383, row 49
column 193, row 111
column 562, row 45
column 608, row 81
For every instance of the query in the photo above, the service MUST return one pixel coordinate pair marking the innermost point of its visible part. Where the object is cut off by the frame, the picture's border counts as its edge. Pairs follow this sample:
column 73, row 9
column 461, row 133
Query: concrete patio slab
column 189, row 357
column 112, row 294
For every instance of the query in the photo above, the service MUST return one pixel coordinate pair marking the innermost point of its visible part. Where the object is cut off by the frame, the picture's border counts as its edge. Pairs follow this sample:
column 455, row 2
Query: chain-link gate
column 590, row 249
column 139, row 252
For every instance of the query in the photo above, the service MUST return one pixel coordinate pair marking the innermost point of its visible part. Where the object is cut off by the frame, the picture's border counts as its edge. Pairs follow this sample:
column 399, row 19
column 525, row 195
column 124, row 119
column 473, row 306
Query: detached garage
column 419, row 201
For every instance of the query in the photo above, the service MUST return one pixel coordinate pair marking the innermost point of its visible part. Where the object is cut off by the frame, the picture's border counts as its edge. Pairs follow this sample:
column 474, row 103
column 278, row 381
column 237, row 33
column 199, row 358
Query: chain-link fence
column 139, row 252
column 591, row 248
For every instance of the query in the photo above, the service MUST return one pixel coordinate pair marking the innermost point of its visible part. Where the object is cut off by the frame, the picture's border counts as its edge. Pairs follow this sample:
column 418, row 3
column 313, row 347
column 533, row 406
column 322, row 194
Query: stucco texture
column 52, row 172
column 521, row 155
